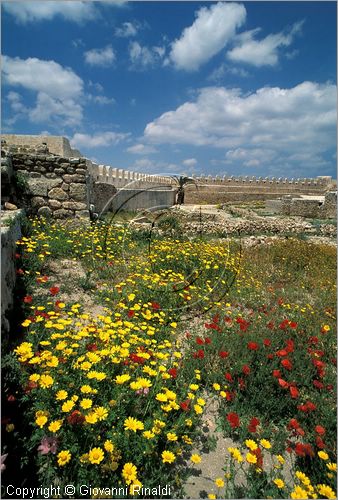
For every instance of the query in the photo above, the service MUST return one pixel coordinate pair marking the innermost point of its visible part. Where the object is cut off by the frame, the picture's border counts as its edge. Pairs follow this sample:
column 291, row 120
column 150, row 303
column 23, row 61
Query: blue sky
column 196, row 87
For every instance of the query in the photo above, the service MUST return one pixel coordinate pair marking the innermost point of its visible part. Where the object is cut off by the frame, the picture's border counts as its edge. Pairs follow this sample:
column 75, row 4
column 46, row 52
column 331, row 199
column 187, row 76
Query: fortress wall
column 51, row 157
column 51, row 185
column 56, row 144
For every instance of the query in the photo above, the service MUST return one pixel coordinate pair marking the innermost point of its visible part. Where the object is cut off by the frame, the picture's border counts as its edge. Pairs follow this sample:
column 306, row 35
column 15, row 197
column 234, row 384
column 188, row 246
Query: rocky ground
column 246, row 223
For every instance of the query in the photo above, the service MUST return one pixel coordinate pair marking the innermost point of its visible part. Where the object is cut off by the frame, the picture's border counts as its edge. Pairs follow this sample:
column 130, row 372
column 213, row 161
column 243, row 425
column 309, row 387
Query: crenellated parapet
column 120, row 178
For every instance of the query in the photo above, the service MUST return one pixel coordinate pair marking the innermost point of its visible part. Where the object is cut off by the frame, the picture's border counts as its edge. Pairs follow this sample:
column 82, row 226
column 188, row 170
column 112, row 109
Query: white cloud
column 127, row 30
column 155, row 167
column 143, row 57
column 100, row 57
column 103, row 139
column 141, row 149
column 101, row 99
column 39, row 75
column 59, row 90
column 25, row 12
column 223, row 70
column 97, row 86
column 16, row 103
column 263, row 52
column 209, row 34
column 277, row 121
column 50, row 109
column 190, row 162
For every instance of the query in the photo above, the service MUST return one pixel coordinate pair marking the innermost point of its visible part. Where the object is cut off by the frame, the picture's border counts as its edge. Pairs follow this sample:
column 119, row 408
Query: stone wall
column 10, row 233
column 239, row 190
column 55, row 144
column 317, row 207
column 52, row 185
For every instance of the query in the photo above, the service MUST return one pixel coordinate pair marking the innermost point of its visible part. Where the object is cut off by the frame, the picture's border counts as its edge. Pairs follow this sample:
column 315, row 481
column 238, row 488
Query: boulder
column 45, row 211
column 58, row 194
column 78, row 192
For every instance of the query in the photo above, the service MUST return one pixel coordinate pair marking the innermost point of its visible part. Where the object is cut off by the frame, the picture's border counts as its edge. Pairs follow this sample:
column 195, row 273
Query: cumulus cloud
column 39, row 75
column 26, row 12
column 100, row 57
column 263, row 52
column 103, row 139
column 141, row 149
column 143, row 57
column 210, row 33
column 298, row 120
column 59, row 90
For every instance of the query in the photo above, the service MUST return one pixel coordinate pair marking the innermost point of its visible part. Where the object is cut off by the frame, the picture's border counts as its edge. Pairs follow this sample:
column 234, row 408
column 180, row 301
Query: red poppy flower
column 136, row 359
column 294, row 392
column 320, row 430
column 185, row 405
column 293, row 324
column 320, row 443
column 318, row 385
column 283, row 383
column 199, row 354
column 76, row 418
column 271, row 325
column 258, row 453
column 230, row 396
column 307, row 407
column 91, row 347
column 241, row 383
column 30, row 386
column 253, row 346
column 313, row 340
column 207, row 340
column 281, row 353
column 199, row 341
column 228, row 377
column 130, row 313
column 246, row 370
column 54, row 290
column 223, row 354
column 293, row 424
column 286, row 363
column 155, row 305
column 28, row 299
column 252, row 427
column 233, row 420
column 276, row 373
column 290, row 345
column 20, row 272
column 267, row 342
column 173, row 372
column 284, row 324
column 299, row 450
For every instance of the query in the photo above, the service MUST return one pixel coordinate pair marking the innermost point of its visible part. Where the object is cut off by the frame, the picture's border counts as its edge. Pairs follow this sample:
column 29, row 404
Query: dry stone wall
column 326, row 207
column 52, row 185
